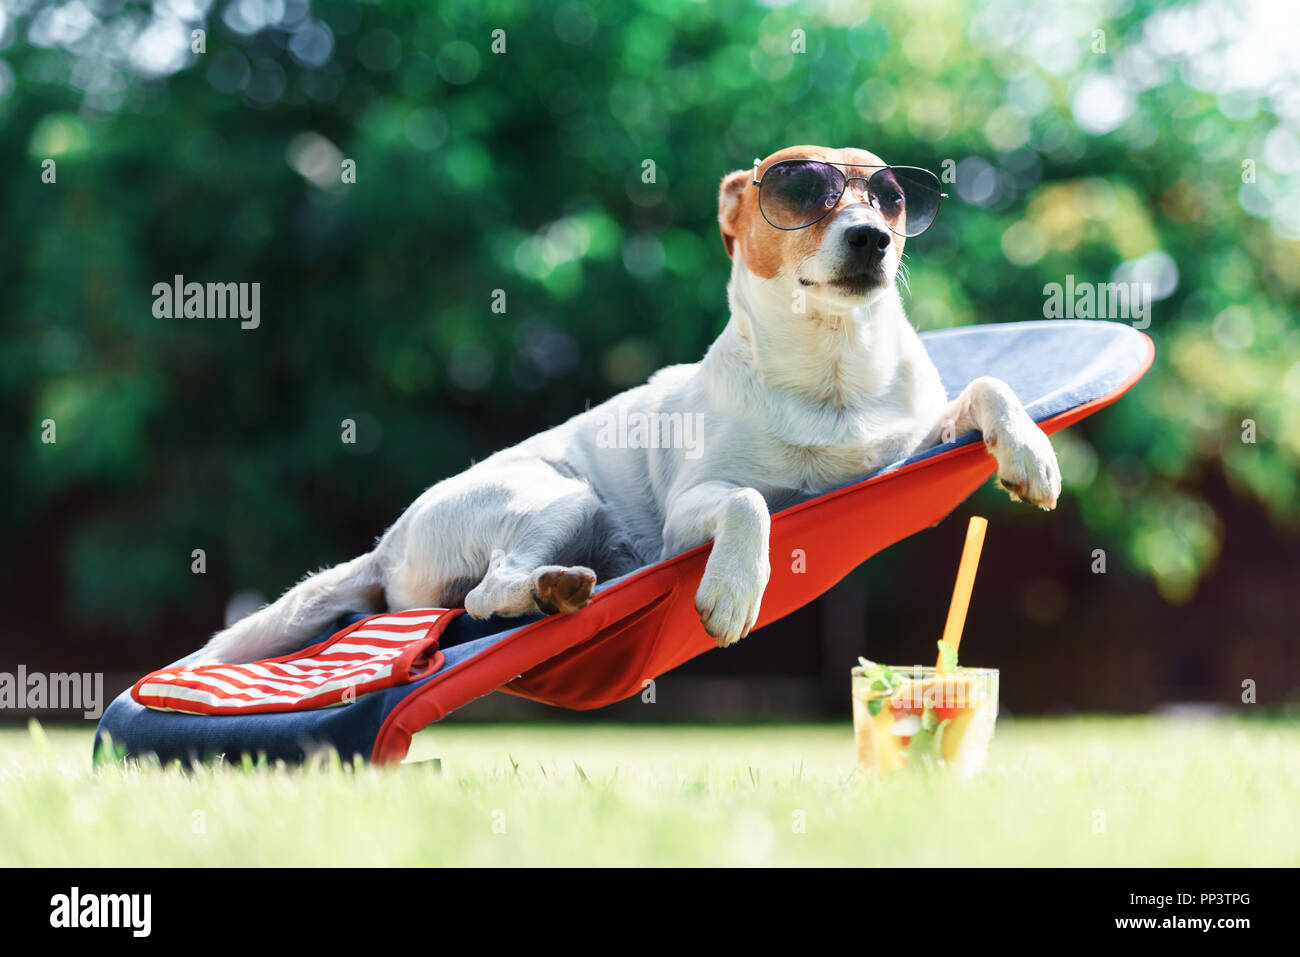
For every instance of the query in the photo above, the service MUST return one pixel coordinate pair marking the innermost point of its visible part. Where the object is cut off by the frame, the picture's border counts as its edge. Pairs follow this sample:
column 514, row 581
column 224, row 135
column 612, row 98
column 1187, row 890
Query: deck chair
column 636, row 627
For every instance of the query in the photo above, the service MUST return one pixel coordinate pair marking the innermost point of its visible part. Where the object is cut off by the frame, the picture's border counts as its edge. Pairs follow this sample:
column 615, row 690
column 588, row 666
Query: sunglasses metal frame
column 865, row 181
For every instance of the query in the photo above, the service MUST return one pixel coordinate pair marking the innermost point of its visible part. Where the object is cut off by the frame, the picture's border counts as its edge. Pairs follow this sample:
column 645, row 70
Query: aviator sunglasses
column 796, row 193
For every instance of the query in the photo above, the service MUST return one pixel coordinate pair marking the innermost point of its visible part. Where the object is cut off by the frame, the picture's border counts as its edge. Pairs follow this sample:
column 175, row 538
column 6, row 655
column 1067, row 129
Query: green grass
column 1090, row 791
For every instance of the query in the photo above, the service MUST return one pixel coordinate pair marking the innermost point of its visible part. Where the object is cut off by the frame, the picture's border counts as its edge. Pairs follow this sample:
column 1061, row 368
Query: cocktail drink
column 933, row 717
column 923, row 716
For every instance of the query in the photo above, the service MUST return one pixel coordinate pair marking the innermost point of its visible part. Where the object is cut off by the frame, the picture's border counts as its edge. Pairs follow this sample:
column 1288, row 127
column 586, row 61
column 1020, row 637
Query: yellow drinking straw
column 970, row 559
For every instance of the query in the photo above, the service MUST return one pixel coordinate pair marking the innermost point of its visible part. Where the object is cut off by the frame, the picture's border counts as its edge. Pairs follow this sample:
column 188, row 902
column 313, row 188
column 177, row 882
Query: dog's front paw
column 728, row 600
column 1027, row 466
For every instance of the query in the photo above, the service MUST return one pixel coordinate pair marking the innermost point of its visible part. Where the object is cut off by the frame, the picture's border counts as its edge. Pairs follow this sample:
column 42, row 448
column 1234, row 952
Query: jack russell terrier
column 818, row 379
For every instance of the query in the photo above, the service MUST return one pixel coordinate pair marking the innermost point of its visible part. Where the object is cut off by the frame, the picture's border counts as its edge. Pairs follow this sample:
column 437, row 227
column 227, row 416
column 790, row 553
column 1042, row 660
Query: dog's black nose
column 868, row 239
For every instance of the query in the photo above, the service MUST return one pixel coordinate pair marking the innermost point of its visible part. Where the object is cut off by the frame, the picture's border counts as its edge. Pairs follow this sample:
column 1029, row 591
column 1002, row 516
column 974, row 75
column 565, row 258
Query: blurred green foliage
column 523, row 171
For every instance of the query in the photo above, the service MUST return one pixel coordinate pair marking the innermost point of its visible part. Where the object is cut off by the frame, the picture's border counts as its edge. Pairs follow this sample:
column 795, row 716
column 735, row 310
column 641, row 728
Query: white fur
column 792, row 404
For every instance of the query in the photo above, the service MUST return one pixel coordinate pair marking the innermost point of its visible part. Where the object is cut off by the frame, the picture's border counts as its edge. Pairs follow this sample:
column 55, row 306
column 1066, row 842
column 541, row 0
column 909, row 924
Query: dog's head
column 847, row 256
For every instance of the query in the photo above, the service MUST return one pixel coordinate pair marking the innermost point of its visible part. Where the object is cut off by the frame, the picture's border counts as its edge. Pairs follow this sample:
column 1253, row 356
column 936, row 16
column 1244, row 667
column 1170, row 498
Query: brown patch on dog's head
column 731, row 197
column 768, row 251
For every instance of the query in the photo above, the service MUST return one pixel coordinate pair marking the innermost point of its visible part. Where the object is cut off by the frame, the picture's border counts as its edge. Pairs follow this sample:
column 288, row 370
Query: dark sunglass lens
column 907, row 197
column 798, row 193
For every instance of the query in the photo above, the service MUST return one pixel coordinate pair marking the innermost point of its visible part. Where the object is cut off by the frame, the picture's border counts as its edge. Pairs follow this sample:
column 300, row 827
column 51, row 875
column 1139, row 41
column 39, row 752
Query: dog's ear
column 729, row 196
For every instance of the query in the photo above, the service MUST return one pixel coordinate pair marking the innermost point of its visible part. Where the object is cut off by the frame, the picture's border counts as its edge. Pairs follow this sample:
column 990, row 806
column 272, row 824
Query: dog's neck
column 810, row 347
column 816, row 378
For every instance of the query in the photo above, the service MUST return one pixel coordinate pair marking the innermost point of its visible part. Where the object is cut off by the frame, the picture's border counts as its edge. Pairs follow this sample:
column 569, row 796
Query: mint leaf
column 882, row 681
column 880, row 677
column 947, row 656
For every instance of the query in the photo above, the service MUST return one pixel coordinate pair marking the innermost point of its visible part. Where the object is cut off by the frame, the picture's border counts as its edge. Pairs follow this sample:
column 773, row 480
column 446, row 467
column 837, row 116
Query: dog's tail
column 301, row 612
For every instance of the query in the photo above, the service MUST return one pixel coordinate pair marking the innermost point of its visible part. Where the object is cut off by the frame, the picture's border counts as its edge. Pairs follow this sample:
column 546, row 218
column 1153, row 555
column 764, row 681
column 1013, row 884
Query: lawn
column 1121, row 791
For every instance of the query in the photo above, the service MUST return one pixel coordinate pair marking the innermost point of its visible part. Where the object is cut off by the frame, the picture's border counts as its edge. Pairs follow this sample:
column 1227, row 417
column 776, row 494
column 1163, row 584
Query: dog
column 817, row 380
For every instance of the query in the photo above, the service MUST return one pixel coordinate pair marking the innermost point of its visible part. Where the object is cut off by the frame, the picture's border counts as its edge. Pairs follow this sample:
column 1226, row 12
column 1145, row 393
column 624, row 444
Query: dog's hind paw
column 561, row 590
